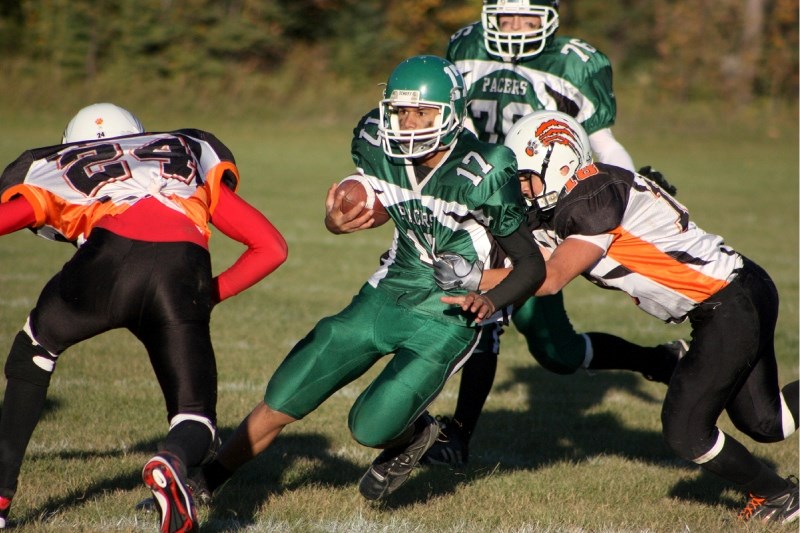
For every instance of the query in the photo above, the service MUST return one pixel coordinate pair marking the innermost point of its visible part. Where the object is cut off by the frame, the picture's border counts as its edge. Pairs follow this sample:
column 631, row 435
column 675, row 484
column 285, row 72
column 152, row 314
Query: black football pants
column 161, row 292
column 731, row 367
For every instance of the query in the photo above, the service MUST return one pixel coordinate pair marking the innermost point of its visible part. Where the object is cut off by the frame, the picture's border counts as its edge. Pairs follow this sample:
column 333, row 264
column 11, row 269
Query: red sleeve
column 266, row 247
column 16, row 214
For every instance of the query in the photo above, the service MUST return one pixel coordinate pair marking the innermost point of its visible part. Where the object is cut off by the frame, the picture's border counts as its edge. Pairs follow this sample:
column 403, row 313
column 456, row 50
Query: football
column 356, row 190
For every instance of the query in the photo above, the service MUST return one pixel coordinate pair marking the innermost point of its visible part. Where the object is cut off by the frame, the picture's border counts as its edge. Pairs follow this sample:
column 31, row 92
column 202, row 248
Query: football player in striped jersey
column 513, row 63
column 137, row 205
column 622, row 231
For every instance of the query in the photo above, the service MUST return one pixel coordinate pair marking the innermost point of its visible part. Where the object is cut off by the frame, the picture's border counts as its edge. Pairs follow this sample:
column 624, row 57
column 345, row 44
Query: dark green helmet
column 422, row 81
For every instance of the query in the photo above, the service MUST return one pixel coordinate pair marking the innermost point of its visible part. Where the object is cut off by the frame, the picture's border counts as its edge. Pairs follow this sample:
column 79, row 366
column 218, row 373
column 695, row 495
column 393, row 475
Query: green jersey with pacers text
column 569, row 75
column 449, row 208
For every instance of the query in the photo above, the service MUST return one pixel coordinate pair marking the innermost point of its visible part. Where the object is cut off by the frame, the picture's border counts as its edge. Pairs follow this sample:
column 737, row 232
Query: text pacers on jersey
column 416, row 216
column 505, row 85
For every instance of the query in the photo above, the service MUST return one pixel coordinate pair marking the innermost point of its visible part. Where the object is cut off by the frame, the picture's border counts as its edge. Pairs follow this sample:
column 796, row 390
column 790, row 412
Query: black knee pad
column 29, row 362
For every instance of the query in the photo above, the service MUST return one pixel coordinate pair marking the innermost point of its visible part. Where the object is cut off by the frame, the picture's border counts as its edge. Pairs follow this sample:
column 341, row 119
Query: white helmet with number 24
column 99, row 121
column 552, row 146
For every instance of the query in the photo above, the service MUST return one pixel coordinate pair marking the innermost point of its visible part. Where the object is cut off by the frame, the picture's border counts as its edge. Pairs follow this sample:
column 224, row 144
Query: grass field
column 551, row 454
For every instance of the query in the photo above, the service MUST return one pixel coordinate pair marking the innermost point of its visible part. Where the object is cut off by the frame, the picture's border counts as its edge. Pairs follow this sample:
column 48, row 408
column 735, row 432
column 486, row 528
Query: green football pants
column 551, row 339
column 342, row 347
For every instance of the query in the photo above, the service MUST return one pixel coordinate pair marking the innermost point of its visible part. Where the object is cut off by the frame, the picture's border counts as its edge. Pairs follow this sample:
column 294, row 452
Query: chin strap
column 545, row 164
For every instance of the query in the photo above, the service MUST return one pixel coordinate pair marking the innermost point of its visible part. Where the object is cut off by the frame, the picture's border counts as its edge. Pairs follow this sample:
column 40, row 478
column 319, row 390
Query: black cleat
column 451, row 448
column 781, row 508
column 394, row 465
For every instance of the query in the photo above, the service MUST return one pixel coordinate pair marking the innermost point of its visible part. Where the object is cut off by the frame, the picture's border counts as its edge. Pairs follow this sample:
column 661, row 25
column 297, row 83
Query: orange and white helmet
column 551, row 145
column 99, row 121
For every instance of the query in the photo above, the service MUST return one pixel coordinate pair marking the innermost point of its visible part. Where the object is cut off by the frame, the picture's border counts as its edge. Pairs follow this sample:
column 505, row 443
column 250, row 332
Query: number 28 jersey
column 471, row 191
column 569, row 75
column 72, row 186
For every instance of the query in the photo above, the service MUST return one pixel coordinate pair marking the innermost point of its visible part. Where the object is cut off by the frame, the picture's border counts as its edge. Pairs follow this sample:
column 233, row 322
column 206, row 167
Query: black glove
column 658, row 178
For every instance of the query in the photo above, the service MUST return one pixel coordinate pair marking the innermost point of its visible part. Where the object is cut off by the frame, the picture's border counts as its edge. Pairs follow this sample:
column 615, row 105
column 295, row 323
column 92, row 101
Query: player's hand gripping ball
column 357, row 190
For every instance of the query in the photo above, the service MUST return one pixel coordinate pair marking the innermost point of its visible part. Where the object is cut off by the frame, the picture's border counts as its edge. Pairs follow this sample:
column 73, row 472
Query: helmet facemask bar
column 406, row 144
column 517, row 45
column 548, row 198
column 556, row 167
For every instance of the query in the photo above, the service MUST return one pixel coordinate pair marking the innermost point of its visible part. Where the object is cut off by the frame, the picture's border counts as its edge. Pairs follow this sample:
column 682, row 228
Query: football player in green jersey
column 513, row 63
column 445, row 190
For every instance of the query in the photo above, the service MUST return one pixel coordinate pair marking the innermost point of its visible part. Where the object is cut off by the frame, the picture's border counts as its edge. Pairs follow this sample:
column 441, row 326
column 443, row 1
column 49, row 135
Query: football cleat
column 393, row 466
column 5, row 506
column 164, row 475
column 199, row 489
column 674, row 352
column 195, row 482
column 452, row 446
column 781, row 508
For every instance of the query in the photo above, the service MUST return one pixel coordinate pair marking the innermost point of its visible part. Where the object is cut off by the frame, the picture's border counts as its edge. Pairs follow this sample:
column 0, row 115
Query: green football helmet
column 422, row 81
column 518, row 45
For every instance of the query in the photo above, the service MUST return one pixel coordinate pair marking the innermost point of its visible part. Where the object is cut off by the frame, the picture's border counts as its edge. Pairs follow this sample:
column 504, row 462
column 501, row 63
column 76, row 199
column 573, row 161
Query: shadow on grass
column 238, row 502
column 558, row 420
column 236, row 505
column 81, row 495
column 556, row 424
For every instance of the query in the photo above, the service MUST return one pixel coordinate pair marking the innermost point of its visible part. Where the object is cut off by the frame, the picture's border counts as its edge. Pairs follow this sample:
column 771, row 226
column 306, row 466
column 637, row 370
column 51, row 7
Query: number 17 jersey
column 472, row 191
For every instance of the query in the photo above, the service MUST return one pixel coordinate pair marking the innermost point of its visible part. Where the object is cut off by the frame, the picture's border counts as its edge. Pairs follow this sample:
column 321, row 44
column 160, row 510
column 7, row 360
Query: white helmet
column 518, row 45
column 553, row 146
column 99, row 121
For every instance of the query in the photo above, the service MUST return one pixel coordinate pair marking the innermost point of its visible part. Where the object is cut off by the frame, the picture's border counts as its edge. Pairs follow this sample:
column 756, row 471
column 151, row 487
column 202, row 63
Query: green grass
column 551, row 453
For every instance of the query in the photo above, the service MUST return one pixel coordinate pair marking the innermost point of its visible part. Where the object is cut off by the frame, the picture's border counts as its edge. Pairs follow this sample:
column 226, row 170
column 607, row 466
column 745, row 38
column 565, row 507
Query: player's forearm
column 266, row 247
column 528, row 271
column 252, row 266
column 492, row 277
column 15, row 215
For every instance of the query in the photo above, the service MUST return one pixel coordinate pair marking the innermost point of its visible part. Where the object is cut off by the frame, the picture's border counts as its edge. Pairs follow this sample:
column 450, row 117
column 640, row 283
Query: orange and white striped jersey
column 72, row 186
column 653, row 251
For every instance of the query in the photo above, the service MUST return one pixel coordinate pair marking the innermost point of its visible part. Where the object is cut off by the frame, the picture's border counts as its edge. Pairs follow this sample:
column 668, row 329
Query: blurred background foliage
column 190, row 53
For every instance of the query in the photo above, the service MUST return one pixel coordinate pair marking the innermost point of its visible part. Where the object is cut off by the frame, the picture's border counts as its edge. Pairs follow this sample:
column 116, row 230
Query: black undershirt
column 528, row 272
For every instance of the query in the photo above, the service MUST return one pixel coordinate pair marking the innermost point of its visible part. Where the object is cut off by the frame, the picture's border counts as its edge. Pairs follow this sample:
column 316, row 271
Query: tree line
column 734, row 50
